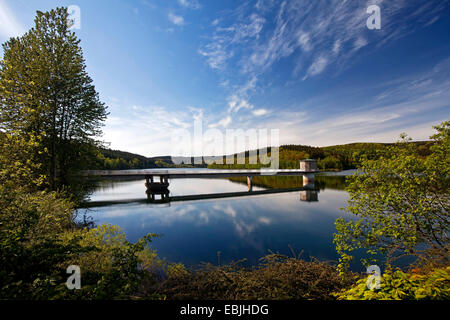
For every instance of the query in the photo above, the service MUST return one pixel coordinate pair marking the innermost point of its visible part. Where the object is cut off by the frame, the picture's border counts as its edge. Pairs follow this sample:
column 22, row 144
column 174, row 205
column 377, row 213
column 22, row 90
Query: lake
column 249, row 226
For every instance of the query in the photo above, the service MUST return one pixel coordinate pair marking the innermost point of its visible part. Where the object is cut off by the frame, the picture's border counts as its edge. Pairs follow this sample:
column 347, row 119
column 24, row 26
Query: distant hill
column 108, row 159
column 338, row 157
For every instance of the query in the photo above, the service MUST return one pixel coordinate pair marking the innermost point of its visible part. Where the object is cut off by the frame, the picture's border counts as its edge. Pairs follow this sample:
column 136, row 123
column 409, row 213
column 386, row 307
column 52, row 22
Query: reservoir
column 241, row 227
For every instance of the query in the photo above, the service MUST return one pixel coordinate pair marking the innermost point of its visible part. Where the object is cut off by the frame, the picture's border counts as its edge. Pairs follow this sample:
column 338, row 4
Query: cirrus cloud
column 175, row 19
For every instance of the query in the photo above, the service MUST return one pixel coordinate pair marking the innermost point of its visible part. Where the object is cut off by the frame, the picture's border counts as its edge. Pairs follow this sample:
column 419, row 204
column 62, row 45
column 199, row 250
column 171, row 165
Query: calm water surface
column 239, row 227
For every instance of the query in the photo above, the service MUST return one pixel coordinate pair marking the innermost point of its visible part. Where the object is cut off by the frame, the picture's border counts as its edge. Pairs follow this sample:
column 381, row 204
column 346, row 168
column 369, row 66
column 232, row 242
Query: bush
column 397, row 285
column 111, row 266
column 402, row 203
column 277, row 277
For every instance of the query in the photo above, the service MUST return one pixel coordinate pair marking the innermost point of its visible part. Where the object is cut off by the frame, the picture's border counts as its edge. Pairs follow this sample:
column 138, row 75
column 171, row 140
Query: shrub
column 403, row 205
column 397, row 285
column 277, row 277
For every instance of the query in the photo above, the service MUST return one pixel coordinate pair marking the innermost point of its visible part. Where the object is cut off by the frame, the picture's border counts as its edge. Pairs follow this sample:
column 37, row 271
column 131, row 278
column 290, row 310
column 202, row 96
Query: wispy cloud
column 224, row 39
column 316, row 36
column 191, row 4
column 316, row 67
column 216, row 54
column 259, row 112
column 225, row 122
column 175, row 19
column 9, row 25
column 411, row 104
column 235, row 103
column 318, row 33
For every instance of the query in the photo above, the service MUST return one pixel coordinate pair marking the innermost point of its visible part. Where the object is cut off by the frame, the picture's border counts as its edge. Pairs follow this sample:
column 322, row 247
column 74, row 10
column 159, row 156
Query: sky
column 311, row 69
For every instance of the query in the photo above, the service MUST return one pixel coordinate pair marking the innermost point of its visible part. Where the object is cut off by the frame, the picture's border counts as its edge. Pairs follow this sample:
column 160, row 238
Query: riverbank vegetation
column 51, row 118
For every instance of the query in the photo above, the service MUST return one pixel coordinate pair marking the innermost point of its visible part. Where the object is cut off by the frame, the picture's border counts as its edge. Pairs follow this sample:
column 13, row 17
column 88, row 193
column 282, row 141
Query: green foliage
column 18, row 165
column 397, row 285
column 111, row 266
column 46, row 92
column 39, row 240
column 107, row 239
column 29, row 245
column 402, row 201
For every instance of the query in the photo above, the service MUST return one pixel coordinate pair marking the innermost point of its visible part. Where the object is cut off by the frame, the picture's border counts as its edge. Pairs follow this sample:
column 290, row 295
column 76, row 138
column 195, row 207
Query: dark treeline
column 108, row 159
column 120, row 160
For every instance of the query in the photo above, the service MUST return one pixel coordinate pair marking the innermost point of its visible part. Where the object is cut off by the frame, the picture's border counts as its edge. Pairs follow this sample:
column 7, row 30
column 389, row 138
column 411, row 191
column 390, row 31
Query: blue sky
column 311, row 69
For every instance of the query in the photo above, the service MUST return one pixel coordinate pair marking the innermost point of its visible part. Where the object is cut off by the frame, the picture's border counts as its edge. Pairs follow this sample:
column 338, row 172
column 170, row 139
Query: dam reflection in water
column 195, row 224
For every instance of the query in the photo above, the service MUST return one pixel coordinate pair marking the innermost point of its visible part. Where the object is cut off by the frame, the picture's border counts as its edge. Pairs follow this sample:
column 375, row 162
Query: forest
column 331, row 158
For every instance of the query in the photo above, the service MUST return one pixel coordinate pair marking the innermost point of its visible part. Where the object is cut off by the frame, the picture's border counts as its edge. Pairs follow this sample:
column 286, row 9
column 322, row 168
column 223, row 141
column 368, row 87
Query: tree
column 45, row 91
column 329, row 162
column 402, row 201
column 50, row 115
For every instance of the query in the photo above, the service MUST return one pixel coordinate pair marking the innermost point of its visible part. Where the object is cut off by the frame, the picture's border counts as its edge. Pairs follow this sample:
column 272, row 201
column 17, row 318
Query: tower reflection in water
column 161, row 196
column 309, row 195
